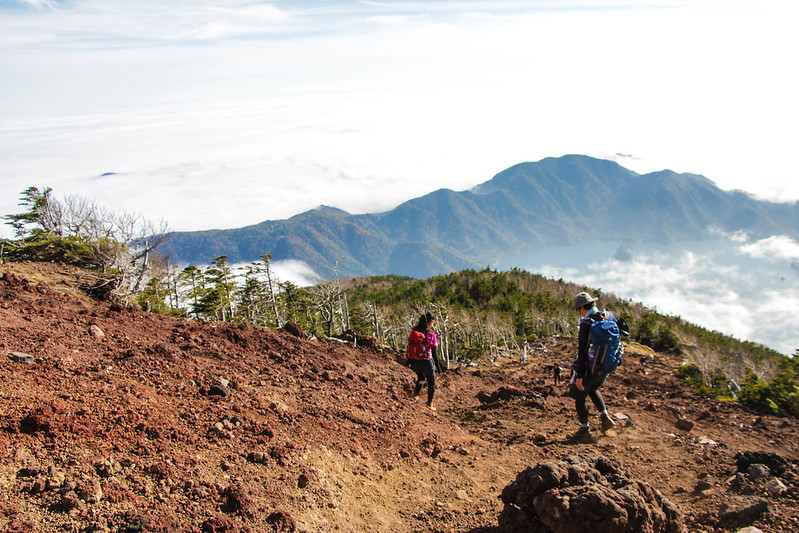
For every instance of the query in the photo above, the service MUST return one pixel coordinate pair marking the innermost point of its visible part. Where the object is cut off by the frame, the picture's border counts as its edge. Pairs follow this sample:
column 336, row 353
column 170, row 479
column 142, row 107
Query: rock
column 258, row 458
column 684, row 424
column 758, row 471
column 55, row 481
column 236, row 501
column 89, row 490
column 585, row 493
column 96, row 332
column 625, row 419
column 69, row 486
column 674, row 414
column 214, row 524
column 501, row 394
column 218, row 389
column 282, row 521
column 70, row 501
column 750, row 529
column 746, row 510
column 703, row 485
column 108, row 468
column 775, row 462
column 19, row 357
column 39, row 485
column 294, row 329
column 775, row 487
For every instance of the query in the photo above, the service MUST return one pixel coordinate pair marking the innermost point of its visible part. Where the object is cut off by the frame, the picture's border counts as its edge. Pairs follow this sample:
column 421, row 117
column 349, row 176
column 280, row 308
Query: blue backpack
column 606, row 351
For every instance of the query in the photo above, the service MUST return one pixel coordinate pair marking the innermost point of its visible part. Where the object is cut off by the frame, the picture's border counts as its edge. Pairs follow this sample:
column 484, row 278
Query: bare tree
column 326, row 299
column 267, row 259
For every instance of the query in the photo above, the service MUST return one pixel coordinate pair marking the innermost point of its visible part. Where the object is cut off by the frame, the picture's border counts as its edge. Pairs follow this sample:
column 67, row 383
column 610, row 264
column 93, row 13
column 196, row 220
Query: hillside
column 561, row 201
column 129, row 421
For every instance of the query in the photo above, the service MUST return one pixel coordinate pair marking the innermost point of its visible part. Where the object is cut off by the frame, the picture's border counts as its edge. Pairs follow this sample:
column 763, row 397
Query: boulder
column 775, row 462
column 585, row 493
column 743, row 511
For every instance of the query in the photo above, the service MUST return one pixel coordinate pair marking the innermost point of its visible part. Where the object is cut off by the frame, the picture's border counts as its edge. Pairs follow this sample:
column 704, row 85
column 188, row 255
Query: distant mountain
column 562, row 200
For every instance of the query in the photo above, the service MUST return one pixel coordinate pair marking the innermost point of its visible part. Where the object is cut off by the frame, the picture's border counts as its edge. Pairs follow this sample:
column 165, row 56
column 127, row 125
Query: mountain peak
column 558, row 200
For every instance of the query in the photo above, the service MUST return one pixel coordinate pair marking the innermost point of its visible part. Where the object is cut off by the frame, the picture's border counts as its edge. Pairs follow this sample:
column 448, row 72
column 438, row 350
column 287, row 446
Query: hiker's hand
column 579, row 384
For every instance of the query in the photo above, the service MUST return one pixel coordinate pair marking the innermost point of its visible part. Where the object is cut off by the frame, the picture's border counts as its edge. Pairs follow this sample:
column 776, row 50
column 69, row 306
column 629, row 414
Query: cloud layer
column 745, row 289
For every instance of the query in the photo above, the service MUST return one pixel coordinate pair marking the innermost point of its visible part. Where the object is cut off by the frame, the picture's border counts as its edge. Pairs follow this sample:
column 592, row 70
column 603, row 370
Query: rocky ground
column 116, row 420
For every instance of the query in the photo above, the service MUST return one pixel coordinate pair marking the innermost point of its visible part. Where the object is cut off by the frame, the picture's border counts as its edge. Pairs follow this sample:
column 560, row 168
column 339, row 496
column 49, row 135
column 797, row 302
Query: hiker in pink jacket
column 424, row 360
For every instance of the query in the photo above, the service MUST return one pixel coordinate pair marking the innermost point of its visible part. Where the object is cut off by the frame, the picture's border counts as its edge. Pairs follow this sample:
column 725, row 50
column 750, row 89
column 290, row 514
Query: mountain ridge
column 562, row 200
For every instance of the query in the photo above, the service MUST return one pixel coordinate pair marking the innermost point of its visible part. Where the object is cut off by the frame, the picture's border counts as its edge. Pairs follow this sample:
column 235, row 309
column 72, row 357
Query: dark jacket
column 580, row 364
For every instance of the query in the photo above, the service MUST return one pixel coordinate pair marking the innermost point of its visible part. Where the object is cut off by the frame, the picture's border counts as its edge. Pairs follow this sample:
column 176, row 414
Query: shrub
column 780, row 396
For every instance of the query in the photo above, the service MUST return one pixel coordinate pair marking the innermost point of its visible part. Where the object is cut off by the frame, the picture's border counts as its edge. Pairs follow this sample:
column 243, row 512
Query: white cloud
column 40, row 4
column 297, row 272
column 291, row 270
column 775, row 248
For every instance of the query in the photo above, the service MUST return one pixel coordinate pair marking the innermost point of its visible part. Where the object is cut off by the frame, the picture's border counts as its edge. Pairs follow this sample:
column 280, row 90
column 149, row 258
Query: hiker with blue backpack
column 422, row 353
column 599, row 352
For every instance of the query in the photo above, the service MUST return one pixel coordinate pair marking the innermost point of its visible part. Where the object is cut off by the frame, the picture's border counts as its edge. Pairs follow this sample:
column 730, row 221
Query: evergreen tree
column 216, row 302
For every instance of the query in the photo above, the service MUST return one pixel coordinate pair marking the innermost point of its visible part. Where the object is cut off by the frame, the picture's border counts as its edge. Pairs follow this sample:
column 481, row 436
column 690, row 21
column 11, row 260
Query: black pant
column 425, row 371
column 591, row 385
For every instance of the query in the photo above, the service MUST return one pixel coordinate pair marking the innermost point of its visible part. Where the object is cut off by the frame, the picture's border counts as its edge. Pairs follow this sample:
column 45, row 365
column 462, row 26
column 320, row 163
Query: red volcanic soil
column 124, row 421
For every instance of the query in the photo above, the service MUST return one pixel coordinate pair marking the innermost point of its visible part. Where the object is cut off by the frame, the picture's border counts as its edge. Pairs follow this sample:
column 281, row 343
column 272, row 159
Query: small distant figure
column 523, row 355
column 644, row 359
column 556, row 370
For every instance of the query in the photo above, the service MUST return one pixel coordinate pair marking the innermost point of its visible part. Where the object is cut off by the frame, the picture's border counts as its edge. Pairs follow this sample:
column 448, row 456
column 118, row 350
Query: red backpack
column 415, row 349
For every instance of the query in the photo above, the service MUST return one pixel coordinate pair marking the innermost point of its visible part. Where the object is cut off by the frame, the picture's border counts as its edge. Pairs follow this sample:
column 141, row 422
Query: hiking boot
column 607, row 423
column 431, row 406
column 582, row 435
column 415, row 397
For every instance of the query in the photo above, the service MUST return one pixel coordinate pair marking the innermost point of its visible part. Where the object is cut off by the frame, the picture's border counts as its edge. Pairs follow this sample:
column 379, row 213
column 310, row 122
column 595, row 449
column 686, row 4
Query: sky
column 221, row 114
column 225, row 113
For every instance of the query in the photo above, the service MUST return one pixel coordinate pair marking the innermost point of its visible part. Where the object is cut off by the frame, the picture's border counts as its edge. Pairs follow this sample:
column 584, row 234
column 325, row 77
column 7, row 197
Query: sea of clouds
column 734, row 284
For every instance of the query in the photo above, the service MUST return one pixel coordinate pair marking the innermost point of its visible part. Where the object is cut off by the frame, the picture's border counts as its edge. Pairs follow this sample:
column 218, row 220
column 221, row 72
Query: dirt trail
column 128, row 421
